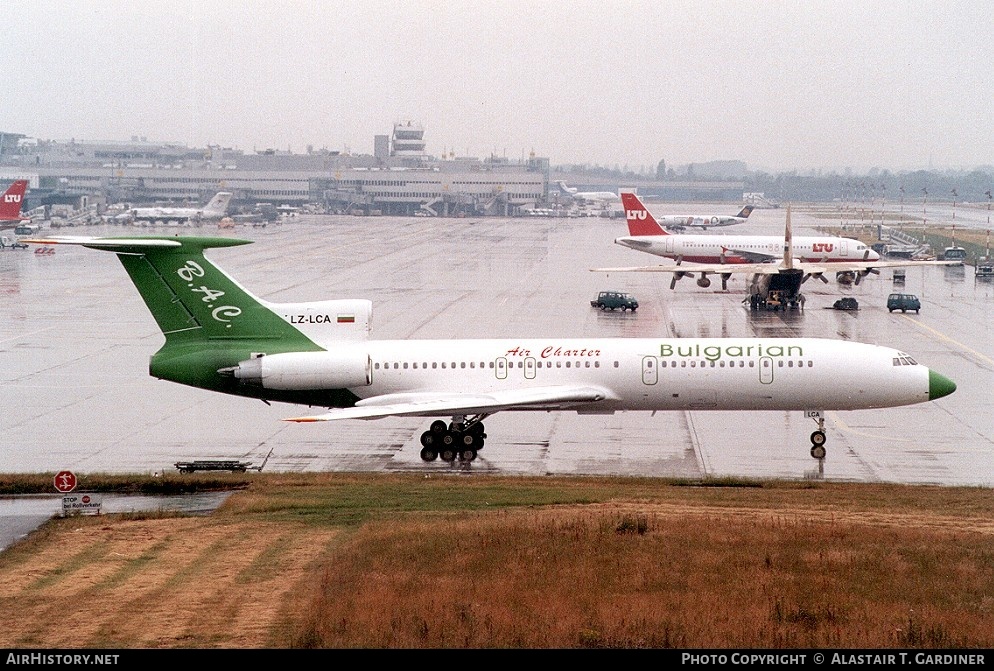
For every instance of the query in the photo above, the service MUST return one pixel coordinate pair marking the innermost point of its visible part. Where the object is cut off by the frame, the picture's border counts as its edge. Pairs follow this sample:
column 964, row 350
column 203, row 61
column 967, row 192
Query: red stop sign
column 65, row 481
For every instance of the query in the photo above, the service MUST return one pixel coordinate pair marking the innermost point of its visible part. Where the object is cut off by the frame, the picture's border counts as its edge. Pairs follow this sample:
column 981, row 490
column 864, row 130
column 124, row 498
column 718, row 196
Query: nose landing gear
column 818, row 436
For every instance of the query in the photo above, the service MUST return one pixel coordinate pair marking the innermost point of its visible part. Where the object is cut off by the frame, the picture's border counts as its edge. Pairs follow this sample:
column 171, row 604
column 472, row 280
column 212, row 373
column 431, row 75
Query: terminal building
column 398, row 178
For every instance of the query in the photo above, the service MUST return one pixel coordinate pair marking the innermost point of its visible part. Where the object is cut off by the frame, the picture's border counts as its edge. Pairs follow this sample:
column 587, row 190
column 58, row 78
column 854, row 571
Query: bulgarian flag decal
column 346, row 319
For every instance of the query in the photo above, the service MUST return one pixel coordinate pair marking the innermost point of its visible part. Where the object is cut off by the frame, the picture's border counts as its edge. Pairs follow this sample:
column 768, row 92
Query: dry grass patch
column 408, row 561
column 181, row 582
column 657, row 578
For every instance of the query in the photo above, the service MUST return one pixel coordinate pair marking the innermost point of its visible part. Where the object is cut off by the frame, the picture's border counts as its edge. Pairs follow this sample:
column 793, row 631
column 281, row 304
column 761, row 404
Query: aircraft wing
column 863, row 265
column 752, row 268
column 753, row 256
column 433, row 404
column 772, row 268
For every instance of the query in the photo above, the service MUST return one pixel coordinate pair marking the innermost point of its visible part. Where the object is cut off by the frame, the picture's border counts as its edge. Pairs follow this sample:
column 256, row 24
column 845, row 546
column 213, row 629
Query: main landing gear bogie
column 453, row 441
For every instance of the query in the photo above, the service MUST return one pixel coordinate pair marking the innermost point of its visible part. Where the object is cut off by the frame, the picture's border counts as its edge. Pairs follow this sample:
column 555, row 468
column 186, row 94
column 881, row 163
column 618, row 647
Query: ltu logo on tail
column 11, row 198
column 635, row 214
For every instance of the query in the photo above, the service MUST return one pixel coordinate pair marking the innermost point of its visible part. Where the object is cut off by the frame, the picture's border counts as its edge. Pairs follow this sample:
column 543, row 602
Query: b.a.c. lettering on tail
column 640, row 220
column 11, row 202
column 746, row 211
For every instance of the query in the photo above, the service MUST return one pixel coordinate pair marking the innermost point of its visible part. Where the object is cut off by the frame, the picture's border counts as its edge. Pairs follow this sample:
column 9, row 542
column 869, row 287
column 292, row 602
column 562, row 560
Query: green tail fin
column 211, row 323
column 192, row 299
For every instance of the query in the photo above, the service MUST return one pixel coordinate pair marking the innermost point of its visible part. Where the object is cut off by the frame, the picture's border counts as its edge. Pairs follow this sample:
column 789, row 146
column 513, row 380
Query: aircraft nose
column 939, row 385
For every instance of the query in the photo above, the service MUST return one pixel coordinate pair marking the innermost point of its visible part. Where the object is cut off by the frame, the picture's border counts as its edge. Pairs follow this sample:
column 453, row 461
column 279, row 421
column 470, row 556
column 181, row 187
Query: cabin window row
column 485, row 364
column 683, row 363
column 790, row 363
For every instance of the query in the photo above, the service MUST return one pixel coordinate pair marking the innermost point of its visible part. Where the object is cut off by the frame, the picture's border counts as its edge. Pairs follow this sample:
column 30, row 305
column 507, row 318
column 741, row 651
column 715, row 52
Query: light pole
column 873, row 203
column 955, row 195
column 842, row 210
column 987, row 254
column 883, row 202
column 924, row 204
column 901, row 188
column 862, row 201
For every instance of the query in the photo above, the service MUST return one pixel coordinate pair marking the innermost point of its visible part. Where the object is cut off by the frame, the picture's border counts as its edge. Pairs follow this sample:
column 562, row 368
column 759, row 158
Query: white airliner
column 219, row 336
column 589, row 196
column 679, row 222
column 789, row 259
column 10, row 204
column 213, row 211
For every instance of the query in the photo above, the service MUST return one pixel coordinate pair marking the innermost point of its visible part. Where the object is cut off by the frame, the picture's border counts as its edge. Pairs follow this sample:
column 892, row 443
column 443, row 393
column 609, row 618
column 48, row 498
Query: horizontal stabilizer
column 126, row 244
column 102, row 242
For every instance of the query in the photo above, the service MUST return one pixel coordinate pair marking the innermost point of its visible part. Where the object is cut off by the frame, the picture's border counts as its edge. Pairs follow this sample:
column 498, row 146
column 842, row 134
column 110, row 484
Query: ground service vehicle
column 11, row 243
column 954, row 254
column 903, row 302
column 612, row 300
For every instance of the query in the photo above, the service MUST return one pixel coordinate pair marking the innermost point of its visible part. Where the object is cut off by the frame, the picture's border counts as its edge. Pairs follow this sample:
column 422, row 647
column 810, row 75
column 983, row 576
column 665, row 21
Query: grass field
column 464, row 561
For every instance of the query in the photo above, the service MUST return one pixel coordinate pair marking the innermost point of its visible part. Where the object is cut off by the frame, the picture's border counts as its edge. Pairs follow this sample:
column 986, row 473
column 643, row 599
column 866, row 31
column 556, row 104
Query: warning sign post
column 65, row 481
column 81, row 504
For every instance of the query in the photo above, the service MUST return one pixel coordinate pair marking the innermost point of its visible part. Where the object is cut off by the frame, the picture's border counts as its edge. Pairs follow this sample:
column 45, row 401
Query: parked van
column 903, row 302
column 610, row 300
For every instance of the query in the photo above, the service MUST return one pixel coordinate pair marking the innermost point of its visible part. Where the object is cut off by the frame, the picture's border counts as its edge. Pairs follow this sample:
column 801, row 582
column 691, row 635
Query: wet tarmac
column 75, row 340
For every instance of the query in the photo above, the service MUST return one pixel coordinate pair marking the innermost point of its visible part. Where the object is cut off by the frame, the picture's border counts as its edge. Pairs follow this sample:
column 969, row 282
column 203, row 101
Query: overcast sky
column 778, row 84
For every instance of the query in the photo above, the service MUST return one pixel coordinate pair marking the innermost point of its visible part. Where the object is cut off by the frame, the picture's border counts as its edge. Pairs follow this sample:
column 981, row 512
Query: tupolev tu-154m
column 220, row 337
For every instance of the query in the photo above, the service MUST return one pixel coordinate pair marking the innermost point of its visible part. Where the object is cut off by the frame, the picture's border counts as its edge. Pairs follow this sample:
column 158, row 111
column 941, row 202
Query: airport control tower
column 408, row 139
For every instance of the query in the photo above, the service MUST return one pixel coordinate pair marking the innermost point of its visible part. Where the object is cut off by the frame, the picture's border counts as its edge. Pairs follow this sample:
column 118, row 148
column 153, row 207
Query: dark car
column 846, row 303
column 903, row 302
column 612, row 300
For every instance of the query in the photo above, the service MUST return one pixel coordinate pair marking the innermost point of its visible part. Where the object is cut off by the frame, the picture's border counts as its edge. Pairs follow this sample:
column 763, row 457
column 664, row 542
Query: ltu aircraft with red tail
column 10, row 204
column 785, row 261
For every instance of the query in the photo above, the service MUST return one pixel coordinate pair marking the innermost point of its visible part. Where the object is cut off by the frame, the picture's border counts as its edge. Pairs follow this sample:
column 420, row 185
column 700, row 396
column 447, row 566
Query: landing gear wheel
column 438, row 426
column 818, row 451
column 429, row 453
column 467, row 455
column 447, row 454
column 818, row 438
column 429, row 439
